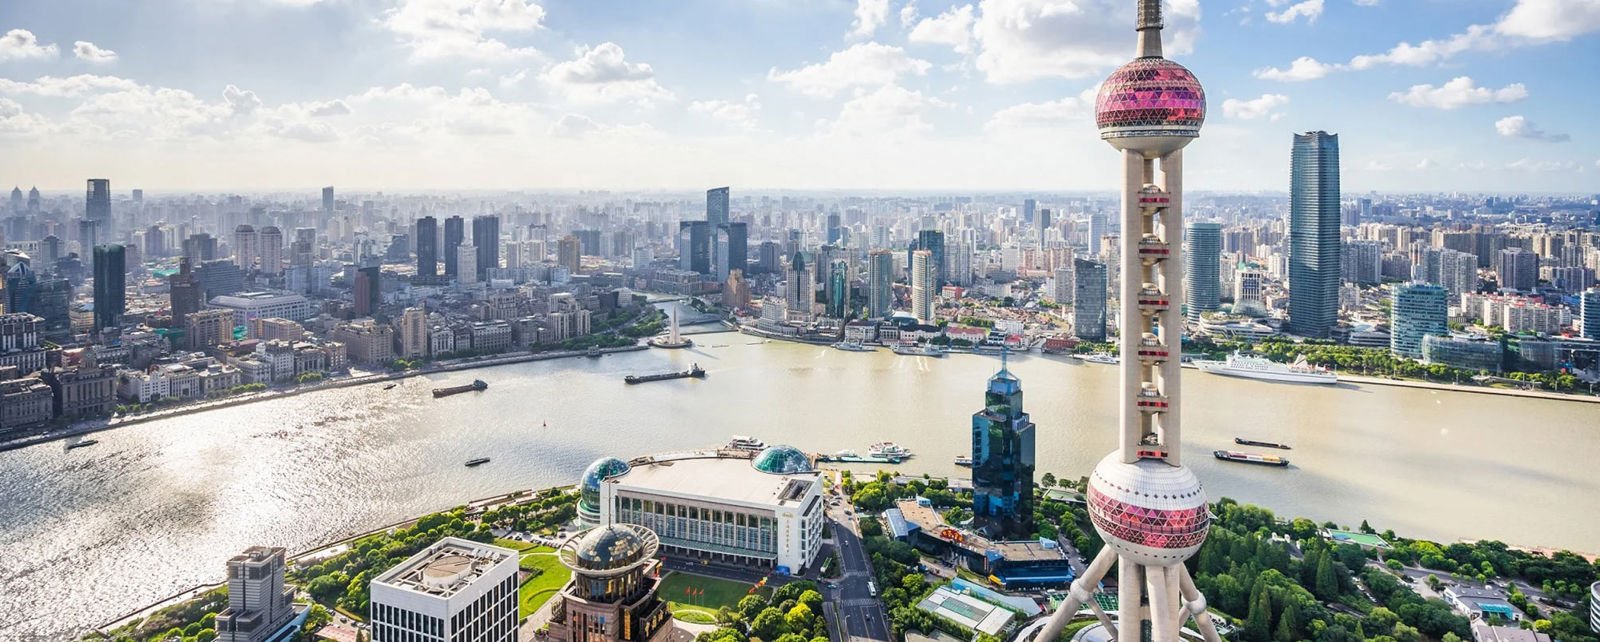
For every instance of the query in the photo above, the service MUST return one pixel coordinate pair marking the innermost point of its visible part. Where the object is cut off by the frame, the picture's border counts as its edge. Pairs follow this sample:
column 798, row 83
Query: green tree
column 1327, row 586
column 1048, row 480
column 1258, row 625
column 768, row 624
column 1289, row 623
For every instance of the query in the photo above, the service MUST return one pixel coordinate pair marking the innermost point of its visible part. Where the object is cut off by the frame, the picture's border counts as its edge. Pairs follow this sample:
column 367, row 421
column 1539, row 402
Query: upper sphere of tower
column 1151, row 105
column 1150, row 511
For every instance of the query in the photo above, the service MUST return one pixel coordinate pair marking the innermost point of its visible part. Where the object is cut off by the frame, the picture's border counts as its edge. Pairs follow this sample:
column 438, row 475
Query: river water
column 90, row 534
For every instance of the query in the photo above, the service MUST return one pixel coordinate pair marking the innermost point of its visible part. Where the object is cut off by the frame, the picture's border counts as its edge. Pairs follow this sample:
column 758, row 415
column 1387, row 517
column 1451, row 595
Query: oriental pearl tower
column 1150, row 509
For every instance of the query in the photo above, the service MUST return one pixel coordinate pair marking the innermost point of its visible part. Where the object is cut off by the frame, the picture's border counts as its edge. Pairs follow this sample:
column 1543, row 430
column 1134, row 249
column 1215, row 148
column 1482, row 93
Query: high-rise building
column 97, row 207
column 455, row 230
column 246, row 246
column 924, row 286
column 932, row 241
column 838, row 288
column 271, row 250
column 21, row 289
column 1314, row 234
column 1203, row 278
column 569, row 253
column 1029, row 206
column 1458, row 272
column 1589, row 314
column 736, row 293
column 769, row 257
column 199, row 248
column 799, row 290
column 1003, row 461
column 1418, row 310
column 259, row 603
column 612, row 595
column 717, row 206
column 1247, row 289
column 1148, row 507
column 880, row 284
column 1089, row 300
column 1061, row 292
column 368, row 290
column 455, row 590
column 1361, row 262
column 733, row 247
column 412, row 330
column 466, row 264
column 155, row 242
column 110, row 288
column 327, row 202
column 183, row 292
column 428, row 247
column 1518, row 269
column 486, row 238
column 694, row 246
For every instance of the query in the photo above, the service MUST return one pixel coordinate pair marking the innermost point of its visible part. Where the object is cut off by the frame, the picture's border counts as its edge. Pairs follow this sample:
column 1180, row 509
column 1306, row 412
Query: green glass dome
column 782, row 460
column 599, row 471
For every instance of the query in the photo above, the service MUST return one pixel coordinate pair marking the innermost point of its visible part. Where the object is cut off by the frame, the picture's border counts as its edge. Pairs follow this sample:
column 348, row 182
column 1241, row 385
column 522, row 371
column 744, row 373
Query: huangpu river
column 87, row 535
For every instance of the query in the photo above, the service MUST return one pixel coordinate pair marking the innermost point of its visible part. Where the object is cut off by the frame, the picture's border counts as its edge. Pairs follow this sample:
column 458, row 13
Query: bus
column 872, row 589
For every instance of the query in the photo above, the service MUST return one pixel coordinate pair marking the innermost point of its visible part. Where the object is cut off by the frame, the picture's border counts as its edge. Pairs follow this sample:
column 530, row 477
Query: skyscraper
column 258, row 601
column 1002, row 461
column 245, row 247
column 1589, row 314
column 1148, row 507
column 368, row 290
column 1518, row 269
column 880, row 284
column 455, row 231
column 486, row 237
column 932, row 241
column 1203, row 278
column 838, row 288
column 1029, row 207
column 717, row 206
column 1314, row 234
column 428, row 247
column 110, row 288
column 327, row 202
column 271, row 250
column 568, row 253
column 924, row 285
column 466, row 260
column 1089, row 300
column 183, row 292
column 1418, row 310
column 455, row 590
column 799, row 290
column 694, row 246
column 97, row 207
column 736, row 249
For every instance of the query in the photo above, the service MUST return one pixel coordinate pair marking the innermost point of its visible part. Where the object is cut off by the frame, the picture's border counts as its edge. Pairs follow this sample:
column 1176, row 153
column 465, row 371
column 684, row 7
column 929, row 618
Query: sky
column 897, row 95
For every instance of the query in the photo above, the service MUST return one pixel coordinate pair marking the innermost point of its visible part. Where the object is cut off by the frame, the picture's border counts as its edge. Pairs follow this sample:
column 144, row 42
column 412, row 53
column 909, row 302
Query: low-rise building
column 81, row 392
column 249, row 306
column 273, row 328
column 491, row 337
column 1458, row 352
column 25, row 403
column 1481, row 602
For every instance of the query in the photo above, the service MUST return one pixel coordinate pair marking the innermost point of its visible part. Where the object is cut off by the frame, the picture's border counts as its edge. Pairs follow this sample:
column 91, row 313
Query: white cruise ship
column 1252, row 367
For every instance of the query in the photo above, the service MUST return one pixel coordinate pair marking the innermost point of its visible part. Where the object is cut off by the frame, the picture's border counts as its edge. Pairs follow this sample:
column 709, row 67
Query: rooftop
column 443, row 569
column 727, row 478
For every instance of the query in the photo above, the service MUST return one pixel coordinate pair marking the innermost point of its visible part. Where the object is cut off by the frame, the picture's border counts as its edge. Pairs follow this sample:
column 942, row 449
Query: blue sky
column 1427, row 95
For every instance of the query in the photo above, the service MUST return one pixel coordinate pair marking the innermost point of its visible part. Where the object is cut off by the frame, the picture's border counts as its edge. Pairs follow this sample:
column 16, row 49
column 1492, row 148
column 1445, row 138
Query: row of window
column 760, row 539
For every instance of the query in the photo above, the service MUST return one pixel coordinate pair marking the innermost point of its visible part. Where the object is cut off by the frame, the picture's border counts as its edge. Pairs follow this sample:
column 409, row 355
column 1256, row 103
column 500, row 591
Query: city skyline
column 559, row 95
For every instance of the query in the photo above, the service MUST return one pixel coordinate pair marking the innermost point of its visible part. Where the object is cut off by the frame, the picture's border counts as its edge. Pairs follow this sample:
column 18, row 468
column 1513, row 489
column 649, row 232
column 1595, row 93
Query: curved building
column 612, row 594
column 589, row 487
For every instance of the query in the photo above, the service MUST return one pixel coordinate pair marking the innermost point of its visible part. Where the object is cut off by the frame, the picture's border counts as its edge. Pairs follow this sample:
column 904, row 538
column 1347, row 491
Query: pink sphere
column 1149, row 511
column 1150, row 105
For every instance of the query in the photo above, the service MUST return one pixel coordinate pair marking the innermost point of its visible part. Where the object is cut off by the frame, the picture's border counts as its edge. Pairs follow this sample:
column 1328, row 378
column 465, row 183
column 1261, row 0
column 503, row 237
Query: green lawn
column 525, row 547
column 536, row 591
column 696, row 608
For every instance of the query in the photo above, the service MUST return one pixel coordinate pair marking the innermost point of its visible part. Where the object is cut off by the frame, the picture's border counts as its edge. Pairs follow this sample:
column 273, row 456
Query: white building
column 453, row 591
column 249, row 306
column 765, row 511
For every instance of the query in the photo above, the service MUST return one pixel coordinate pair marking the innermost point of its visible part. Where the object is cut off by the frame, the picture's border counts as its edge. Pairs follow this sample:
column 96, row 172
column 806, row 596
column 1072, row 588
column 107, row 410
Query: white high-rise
column 924, row 285
column 453, row 591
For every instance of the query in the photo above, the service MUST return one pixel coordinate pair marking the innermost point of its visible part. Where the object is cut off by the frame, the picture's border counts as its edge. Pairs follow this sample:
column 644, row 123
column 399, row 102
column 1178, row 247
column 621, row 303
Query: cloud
column 1458, row 92
column 1254, row 108
column 908, row 14
column 890, row 110
column 952, row 28
column 1551, row 20
column 15, row 122
column 602, row 74
column 330, row 108
column 1543, row 166
column 1302, row 69
column 21, row 44
column 1046, row 114
column 742, row 114
column 1024, row 40
column 1308, row 9
column 457, row 29
column 68, row 87
column 240, row 101
column 870, row 14
column 868, row 64
column 90, row 52
column 573, row 126
column 1519, row 127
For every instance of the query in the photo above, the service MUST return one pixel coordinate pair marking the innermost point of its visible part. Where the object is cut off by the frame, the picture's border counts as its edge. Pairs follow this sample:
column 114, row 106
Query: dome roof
column 1152, row 105
column 1148, row 510
column 609, row 548
column 782, row 460
column 599, row 471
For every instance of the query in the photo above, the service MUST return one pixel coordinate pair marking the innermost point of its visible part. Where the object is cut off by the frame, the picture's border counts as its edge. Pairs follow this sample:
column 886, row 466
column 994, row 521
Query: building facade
column 1418, row 310
column 612, row 595
column 1314, row 264
column 455, row 590
column 1002, row 461
column 1203, row 277
column 259, row 603
column 1089, row 300
column 924, row 285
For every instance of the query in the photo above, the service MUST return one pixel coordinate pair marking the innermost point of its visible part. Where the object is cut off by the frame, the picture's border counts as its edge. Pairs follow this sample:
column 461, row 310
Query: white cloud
column 1023, row 40
column 868, row 64
column 573, row 125
column 240, row 101
column 1046, row 114
column 1428, row 52
column 870, row 14
column 908, row 14
column 21, row 44
column 1308, row 9
column 457, row 29
column 68, row 87
column 1302, row 69
column 1255, row 107
column 742, row 114
column 1519, row 127
column 1458, row 92
column 889, row 110
column 952, row 28
column 1542, row 166
column 602, row 74
column 15, row 122
column 1551, row 20
column 91, row 52
column 325, row 109
column 1366, row 3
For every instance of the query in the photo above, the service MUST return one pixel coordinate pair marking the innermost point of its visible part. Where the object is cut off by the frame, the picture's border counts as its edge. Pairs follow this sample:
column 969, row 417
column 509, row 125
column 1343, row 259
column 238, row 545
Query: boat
column 888, row 449
column 1264, row 444
column 1102, row 357
column 1250, row 458
column 851, row 346
column 742, row 442
column 477, row 385
column 594, row 352
column 1254, row 367
column 390, row 386
column 82, row 444
column 963, row 461
column 477, row 462
column 694, row 371
column 918, row 350
column 852, row 457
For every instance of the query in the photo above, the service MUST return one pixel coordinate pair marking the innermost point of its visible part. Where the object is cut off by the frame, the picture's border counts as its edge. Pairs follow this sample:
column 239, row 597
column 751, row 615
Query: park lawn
column 697, row 608
column 536, row 591
column 522, row 547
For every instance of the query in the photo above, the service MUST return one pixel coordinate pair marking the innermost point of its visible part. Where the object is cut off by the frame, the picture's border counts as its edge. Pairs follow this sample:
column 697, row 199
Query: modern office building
column 924, row 286
column 271, row 250
column 453, row 591
column 367, row 293
column 327, row 202
column 183, row 291
column 694, row 246
column 1203, row 277
column 1002, row 461
column 246, row 247
column 466, row 260
column 717, row 206
column 1589, row 314
column 880, row 284
column 837, row 289
column 1470, row 354
column 1518, row 269
column 612, row 594
column 260, row 605
column 97, row 207
column 1417, row 310
column 1314, row 265
column 486, row 238
column 721, row 505
column 262, row 304
column 1089, row 300
column 1361, row 262
column 799, row 290
column 1594, row 607
column 428, row 247
column 110, row 287
column 932, row 241
column 1029, row 207
column 569, row 254
column 1148, row 507
column 455, row 232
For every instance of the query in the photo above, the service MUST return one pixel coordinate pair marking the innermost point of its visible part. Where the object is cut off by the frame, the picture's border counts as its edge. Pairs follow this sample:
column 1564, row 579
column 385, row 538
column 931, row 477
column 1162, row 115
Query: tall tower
column 97, row 208
column 1150, row 509
column 1003, row 460
column 1205, row 269
column 1314, row 234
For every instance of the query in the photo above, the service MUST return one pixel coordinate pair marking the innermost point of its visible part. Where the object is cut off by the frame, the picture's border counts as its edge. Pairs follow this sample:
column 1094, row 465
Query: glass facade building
column 1314, row 264
column 1419, row 309
column 1003, row 461
column 1203, row 273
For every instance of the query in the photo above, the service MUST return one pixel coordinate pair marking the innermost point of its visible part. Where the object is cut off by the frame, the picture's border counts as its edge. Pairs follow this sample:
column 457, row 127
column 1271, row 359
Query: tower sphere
column 1151, row 105
column 1149, row 511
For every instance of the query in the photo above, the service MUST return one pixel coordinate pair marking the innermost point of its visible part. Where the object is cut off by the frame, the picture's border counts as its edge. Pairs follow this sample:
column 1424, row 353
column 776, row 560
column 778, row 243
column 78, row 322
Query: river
column 89, row 534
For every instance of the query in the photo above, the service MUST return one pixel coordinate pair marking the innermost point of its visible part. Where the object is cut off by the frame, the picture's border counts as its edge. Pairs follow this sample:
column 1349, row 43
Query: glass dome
column 1151, row 98
column 609, row 547
column 782, row 460
column 601, row 470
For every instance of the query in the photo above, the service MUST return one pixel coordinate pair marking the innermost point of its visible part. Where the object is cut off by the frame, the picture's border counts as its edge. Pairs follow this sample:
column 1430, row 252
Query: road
column 858, row 614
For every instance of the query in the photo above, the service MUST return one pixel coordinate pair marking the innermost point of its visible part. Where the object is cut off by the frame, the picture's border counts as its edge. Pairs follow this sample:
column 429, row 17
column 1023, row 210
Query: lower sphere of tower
column 1148, row 511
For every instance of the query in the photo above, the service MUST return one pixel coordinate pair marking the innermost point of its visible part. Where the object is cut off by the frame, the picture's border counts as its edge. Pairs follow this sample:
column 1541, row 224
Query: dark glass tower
column 1203, row 276
column 428, row 246
column 717, row 206
column 486, row 237
column 97, row 206
column 110, row 286
column 1314, row 234
column 1002, row 461
column 455, row 230
column 694, row 246
column 932, row 241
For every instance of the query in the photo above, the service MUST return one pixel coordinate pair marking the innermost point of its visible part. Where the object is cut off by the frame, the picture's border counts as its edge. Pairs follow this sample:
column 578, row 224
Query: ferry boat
column 1250, row 458
column 918, row 351
column 852, row 457
column 742, row 442
column 850, row 346
column 1253, row 367
column 1102, row 357
column 888, row 449
column 477, row 384
column 477, row 462
column 82, row 444
column 1263, row 444
column 963, row 461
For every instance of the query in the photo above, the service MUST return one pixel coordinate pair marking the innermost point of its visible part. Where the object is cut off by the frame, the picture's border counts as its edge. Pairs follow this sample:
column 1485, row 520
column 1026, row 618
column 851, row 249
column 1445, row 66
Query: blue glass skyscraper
column 1002, row 461
column 1314, row 234
column 1203, row 274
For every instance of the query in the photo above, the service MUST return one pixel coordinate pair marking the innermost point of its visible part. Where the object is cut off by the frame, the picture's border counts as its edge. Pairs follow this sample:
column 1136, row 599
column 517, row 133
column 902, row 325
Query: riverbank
column 1451, row 387
column 99, row 425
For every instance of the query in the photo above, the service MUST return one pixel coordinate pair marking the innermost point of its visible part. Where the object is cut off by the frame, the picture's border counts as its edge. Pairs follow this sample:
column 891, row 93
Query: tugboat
column 476, row 385
column 918, row 351
column 390, row 386
column 1263, row 444
column 82, row 444
column 1250, row 458
column 472, row 463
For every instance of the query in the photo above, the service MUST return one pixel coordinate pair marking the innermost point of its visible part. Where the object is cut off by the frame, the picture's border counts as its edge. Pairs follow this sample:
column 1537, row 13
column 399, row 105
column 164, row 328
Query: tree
column 1289, row 623
column 768, row 624
column 1327, row 586
column 1258, row 625
column 800, row 620
column 1048, row 480
column 812, row 599
column 750, row 606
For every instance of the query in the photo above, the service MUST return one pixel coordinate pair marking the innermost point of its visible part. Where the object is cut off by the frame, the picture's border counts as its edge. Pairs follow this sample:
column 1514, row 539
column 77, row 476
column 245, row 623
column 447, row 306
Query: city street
column 858, row 613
